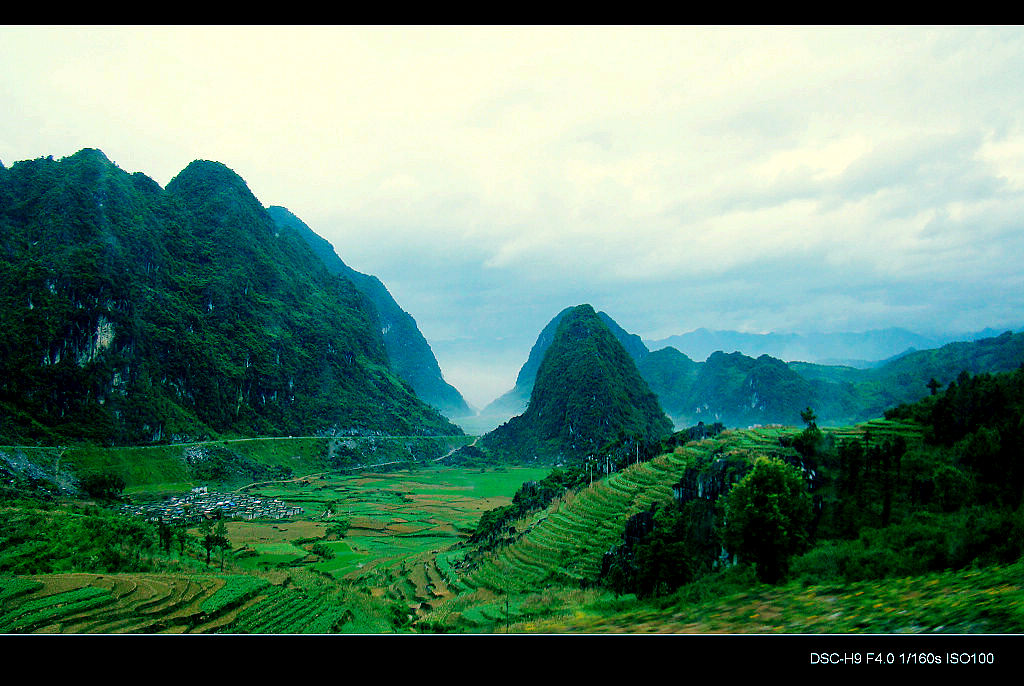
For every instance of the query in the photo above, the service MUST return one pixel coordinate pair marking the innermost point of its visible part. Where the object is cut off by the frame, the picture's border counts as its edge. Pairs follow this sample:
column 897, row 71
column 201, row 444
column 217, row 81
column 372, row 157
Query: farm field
column 271, row 582
column 387, row 551
column 390, row 516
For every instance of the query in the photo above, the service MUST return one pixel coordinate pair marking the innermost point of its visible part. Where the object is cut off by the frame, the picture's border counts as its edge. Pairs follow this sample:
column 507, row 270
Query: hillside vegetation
column 911, row 523
column 136, row 314
column 587, row 392
column 408, row 351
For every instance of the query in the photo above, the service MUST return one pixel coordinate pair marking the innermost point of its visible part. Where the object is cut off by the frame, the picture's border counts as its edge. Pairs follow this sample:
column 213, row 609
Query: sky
column 759, row 179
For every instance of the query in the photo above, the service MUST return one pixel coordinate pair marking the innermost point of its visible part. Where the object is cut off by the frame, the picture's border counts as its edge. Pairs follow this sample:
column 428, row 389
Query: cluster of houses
column 200, row 504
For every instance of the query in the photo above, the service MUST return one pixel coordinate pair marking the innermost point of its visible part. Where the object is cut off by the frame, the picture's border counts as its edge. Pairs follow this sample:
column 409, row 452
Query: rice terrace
column 379, row 550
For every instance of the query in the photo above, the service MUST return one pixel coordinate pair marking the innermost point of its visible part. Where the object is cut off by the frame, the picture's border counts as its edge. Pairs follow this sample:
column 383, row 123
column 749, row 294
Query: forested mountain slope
column 408, row 351
column 515, row 400
column 587, row 392
column 134, row 314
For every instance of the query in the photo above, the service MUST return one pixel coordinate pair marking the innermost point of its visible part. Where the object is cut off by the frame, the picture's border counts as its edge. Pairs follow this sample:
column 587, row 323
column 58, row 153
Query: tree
column 339, row 527
column 104, row 485
column 767, row 516
column 808, row 417
column 322, row 550
column 180, row 534
column 209, row 540
column 215, row 537
column 165, row 533
column 810, row 439
column 220, row 534
column 933, row 385
column 330, row 509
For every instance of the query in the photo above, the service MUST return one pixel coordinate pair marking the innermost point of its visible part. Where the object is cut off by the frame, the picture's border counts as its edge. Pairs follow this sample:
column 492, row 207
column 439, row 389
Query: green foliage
column 767, row 517
column 135, row 314
column 339, row 527
column 980, row 420
column 681, row 548
column 587, row 391
column 923, row 542
column 236, row 588
column 322, row 551
column 105, row 486
column 34, row 540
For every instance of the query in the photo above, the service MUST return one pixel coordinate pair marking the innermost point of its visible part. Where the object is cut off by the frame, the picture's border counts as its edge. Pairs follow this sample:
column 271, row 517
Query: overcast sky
column 757, row 179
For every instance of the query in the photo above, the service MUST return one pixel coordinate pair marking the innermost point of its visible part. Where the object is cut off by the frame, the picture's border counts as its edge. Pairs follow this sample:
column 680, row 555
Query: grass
column 404, row 549
column 977, row 601
column 235, row 589
column 40, row 611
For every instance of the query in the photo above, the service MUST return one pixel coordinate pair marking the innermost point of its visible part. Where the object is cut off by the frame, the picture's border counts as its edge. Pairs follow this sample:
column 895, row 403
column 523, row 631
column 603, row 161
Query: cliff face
column 408, row 351
column 134, row 313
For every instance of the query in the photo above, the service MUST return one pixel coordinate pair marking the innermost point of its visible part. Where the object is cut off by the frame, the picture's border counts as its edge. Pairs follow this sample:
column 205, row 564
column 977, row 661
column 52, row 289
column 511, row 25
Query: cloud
column 743, row 177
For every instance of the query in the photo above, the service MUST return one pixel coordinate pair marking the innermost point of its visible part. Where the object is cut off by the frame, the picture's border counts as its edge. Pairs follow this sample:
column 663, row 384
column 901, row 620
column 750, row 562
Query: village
column 201, row 504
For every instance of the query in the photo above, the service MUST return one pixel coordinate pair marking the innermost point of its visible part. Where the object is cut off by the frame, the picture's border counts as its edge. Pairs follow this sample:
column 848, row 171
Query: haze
column 757, row 179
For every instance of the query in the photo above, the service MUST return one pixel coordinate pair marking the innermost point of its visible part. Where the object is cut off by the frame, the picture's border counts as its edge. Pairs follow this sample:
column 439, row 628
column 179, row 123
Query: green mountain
column 739, row 390
column 134, row 313
column 851, row 349
column 858, row 394
column 671, row 375
column 587, row 391
column 515, row 401
column 407, row 349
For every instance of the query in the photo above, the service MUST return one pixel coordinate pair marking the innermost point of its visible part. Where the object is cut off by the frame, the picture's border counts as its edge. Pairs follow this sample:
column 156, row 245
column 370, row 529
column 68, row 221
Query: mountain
column 409, row 352
column 671, row 375
column 587, row 391
column 739, row 390
column 515, row 401
column 134, row 313
column 867, row 393
column 850, row 349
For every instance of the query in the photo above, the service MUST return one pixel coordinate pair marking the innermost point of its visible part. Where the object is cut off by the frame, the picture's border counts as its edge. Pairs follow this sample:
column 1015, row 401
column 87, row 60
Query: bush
column 924, row 542
column 104, row 485
column 767, row 517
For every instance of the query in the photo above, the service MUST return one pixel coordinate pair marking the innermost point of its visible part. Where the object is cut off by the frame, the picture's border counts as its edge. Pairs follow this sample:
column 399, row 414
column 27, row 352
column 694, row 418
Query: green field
column 388, row 551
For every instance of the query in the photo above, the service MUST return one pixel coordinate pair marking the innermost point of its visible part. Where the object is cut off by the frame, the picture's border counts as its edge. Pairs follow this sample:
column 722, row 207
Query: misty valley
column 210, row 423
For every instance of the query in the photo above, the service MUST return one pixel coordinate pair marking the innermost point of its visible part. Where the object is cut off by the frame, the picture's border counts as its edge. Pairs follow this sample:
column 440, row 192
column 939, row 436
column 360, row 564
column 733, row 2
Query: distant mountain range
column 863, row 349
column 133, row 313
column 741, row 390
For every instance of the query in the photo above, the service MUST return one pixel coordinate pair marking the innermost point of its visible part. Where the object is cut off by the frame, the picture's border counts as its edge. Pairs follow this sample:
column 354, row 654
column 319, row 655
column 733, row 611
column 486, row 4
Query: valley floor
column 386, row 552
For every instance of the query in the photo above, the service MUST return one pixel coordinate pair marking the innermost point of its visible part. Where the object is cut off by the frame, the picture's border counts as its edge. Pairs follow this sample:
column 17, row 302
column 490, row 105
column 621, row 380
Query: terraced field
column 566, row 542
column 125, row 603
column 402, row 559
column 563, row 546
column 880, row 430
